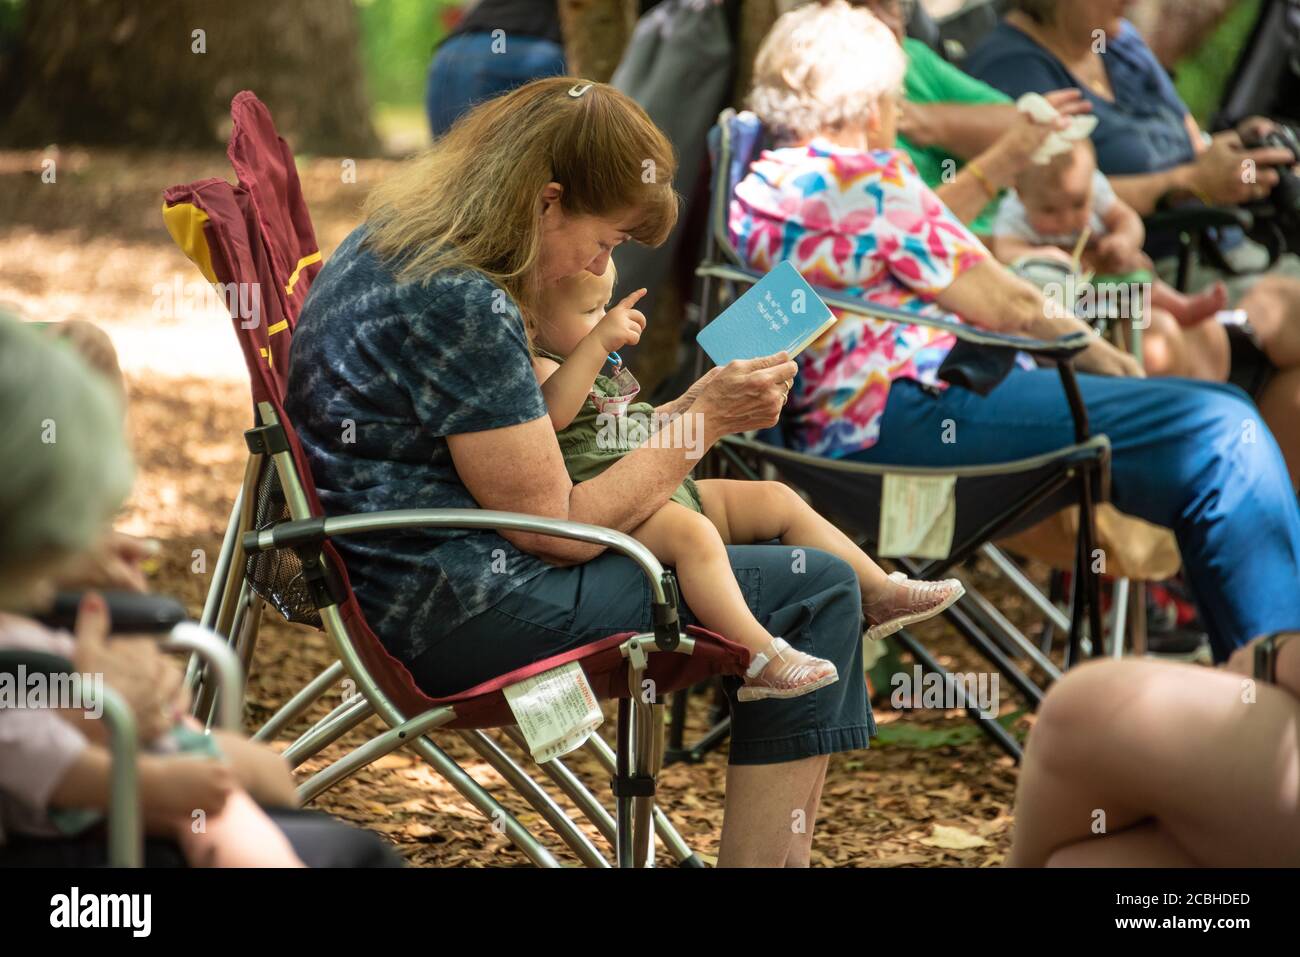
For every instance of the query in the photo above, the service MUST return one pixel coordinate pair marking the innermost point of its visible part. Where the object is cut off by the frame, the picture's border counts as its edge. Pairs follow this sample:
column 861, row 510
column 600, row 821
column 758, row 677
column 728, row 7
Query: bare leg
column 1143, row 845
column 1279, row 406
column 763, row 802
column 1120, row 745
column 800, row 854
column 689, row 541
column 240, row 836
column 1273, row 305
column 758, row 511
column 1197, row 352
column 1188, row 310
column 748, row 512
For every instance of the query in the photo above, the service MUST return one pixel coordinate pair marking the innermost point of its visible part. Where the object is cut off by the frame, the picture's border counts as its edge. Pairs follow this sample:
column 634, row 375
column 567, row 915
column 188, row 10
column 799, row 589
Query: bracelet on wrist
column 989, row 189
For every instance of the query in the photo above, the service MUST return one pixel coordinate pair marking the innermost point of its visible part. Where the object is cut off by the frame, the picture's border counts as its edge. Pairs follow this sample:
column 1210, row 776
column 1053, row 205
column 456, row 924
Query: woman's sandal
column 778, row 671
column 915, row 601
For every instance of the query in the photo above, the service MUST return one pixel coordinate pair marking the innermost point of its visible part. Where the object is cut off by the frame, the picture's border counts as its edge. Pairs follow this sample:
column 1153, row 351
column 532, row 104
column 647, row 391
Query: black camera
column 1277, row 217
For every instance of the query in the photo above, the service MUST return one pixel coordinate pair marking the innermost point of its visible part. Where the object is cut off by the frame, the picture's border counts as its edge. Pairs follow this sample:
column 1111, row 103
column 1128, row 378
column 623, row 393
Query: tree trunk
column 595, row 33
column 161, row 74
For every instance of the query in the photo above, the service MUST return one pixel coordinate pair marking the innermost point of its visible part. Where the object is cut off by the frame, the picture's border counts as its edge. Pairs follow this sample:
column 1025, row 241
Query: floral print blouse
column 865, row 224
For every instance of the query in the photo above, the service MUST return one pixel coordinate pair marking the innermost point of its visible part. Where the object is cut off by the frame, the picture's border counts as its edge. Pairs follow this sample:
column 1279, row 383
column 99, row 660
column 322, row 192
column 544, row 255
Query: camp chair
column 278, row 550
column 990, row 500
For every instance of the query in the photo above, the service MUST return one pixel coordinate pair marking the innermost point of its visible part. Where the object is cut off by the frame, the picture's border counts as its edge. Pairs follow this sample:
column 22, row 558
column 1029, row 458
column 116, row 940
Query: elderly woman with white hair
column 848, row 209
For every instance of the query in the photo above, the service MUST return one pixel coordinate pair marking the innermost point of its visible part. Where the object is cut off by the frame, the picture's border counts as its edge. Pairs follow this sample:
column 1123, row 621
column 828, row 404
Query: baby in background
column 573, row 336
column 1046, row 215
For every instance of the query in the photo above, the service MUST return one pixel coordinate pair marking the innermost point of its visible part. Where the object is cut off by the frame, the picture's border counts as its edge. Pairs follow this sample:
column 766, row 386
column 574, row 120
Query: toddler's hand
column 1118, row 254
column 622, row 325
column 182, row 784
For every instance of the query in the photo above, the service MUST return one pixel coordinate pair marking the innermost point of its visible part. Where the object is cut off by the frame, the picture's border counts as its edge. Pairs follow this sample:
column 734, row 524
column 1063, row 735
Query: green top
column 595, row 440
column 932, row 79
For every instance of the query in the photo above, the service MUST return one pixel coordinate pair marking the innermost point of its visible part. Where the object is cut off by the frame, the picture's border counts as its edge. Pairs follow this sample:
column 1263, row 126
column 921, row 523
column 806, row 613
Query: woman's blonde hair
column 824, row 67
column 471, row 201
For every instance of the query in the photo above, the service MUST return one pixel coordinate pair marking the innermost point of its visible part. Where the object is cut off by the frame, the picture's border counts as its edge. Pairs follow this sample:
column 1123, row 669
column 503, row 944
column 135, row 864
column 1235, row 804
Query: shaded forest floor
column 931, row 790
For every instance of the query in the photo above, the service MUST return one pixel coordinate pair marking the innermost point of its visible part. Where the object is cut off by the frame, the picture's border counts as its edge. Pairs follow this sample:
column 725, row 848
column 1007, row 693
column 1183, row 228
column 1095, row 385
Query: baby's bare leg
column 688, row 541
column 749, row 512
column 240, row 836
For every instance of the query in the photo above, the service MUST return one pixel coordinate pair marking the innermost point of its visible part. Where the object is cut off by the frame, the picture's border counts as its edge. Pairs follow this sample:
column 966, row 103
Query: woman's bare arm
column 963, row 129
column 989, row 296
column 519, row 468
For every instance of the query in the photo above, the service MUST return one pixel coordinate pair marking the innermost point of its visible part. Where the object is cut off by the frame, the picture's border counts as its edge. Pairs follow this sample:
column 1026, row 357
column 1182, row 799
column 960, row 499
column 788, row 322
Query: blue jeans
column 465, row 71
column 1191, row 456
column 817, row 607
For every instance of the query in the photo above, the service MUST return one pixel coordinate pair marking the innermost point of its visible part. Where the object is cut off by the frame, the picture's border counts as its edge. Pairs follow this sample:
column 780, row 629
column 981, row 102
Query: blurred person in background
column 497, row 46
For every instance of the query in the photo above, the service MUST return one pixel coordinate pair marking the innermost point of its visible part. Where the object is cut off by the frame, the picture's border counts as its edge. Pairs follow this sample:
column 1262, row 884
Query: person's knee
column 1068, row 719
column 696, row 535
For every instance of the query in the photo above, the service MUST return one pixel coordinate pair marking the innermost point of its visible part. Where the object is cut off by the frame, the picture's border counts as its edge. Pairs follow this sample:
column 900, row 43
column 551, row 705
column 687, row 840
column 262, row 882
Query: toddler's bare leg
column 749, row 512
column 686, row 540
column 240, row 836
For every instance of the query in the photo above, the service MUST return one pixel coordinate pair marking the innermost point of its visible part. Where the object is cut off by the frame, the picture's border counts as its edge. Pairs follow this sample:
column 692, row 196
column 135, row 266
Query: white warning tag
column 556, row 711
column 918, row 515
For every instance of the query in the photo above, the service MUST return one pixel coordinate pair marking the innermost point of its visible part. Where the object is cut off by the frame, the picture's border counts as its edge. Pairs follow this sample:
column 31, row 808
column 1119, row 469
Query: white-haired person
column 67, row 471
column 837, row 199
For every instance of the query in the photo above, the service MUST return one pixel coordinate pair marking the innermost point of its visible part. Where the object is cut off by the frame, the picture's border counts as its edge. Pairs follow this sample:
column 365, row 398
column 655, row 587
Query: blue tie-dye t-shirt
column 382, row 371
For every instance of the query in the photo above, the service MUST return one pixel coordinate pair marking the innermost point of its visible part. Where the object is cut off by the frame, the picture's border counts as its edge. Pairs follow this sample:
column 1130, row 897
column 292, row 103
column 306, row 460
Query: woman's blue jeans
column 1191, row 456
column 471, row 67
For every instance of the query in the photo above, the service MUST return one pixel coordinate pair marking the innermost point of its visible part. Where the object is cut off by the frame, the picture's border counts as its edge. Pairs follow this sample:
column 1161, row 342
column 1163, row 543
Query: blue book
column 780, row 313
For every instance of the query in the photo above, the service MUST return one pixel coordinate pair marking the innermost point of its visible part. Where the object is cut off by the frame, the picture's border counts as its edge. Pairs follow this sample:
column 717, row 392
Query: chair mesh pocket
column 277, row 575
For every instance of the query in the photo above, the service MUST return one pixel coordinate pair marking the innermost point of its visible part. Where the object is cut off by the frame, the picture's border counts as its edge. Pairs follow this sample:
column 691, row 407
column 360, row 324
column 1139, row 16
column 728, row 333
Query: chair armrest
column 221, row 661
column 1061, row 349
column 128, row 612
column 313, row 531
column 125, row 834
column 1195, row 218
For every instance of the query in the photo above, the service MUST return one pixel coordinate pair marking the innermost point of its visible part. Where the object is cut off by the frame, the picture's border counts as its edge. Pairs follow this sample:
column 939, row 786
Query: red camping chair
column 277, row 550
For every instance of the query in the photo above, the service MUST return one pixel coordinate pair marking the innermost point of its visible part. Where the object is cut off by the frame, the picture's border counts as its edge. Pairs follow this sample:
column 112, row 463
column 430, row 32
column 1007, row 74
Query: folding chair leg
column 990, row 726
column 486, row 804
column 250, row 628
column 963, row 620
column 681, row 851
column 216, row 588
column 1138, row 618
column 1012, row 572
column 1119, row 617
column 1015, row 637
column 372, row 751
column 303, row 699
column 541, row 802
column 350, row 713
column 572, row 786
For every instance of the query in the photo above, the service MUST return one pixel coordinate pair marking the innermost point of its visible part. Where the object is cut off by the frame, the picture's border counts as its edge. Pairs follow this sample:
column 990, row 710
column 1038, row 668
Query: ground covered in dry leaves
column 931, row 790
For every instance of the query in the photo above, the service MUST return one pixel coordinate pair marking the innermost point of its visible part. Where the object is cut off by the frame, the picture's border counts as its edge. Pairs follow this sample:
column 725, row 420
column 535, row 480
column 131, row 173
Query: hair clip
column 578, row 89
